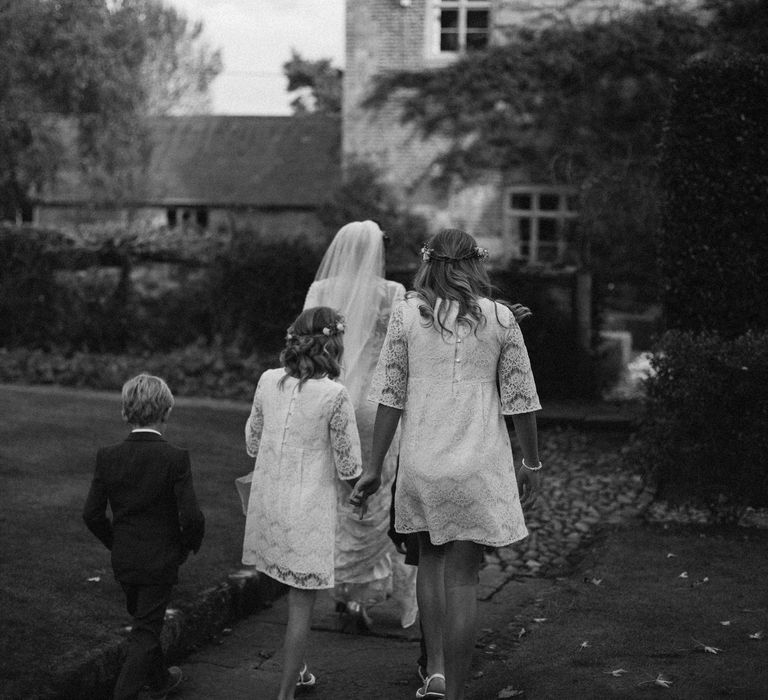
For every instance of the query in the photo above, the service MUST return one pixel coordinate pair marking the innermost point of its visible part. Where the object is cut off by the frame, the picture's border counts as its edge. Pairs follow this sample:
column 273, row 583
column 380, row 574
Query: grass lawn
column 49, row 609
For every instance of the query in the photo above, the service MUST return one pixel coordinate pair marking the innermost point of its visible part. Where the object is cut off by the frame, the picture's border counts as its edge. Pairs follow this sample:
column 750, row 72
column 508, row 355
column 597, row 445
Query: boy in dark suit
column 156, row 522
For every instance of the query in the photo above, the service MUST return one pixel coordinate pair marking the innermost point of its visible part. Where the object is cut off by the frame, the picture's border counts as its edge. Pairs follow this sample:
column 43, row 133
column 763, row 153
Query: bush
column 364, row 195
column 258, row 289
column 29, row 294
column 216, row 371
column 703, row 432
column 713, row 245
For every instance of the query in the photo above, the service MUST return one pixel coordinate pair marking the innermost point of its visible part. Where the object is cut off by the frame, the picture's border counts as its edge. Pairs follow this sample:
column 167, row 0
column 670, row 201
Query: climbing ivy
column 578, row 104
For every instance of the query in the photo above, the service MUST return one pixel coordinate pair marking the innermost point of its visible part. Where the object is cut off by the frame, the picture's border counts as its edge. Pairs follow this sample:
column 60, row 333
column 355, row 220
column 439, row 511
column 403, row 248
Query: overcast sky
column 256, row 38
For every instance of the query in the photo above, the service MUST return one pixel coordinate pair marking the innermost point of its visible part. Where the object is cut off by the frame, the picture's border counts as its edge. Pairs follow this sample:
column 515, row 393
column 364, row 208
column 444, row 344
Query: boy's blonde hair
column 146, row 400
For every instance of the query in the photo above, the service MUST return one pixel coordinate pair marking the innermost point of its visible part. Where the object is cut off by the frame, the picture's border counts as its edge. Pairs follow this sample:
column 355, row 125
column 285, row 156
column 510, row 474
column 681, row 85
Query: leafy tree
column 578, row 104
column 86, row 66
column 179, row 65
column 364, row 195
column 320, row 78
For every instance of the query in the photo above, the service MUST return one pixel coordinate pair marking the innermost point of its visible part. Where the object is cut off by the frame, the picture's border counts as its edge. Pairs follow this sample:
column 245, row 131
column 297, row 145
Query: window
column 201, row 217
column 459, row 25
column 172, row 217
column 539, row 222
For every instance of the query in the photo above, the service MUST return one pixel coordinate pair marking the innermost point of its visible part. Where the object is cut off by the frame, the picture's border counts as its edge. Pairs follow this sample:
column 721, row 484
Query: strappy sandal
column 306, row 678
column 425, row 692
column 422, row 671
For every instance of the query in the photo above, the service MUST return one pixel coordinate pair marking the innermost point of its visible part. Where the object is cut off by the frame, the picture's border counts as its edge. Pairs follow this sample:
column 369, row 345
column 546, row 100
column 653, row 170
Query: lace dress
column 304, row 441
column 456, row 477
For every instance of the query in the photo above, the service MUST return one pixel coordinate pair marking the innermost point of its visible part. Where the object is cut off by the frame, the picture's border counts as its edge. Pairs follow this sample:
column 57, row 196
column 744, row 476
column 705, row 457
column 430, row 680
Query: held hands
column 366, row 486
column 528, row 485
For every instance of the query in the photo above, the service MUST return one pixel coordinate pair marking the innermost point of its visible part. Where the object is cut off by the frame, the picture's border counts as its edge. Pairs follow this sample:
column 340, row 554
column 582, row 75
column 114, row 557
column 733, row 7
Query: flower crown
column 429, row 255
column 333, row 329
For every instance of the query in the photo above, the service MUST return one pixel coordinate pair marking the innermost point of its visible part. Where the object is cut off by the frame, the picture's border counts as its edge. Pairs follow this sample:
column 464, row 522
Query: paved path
column 580, row 491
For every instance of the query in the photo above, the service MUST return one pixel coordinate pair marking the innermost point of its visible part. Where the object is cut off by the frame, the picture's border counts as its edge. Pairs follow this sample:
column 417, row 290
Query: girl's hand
column 366, row 486
column 528, row 485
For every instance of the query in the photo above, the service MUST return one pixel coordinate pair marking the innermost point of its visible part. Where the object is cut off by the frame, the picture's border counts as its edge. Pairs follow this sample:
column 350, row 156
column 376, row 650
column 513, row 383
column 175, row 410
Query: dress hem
column 485, row 543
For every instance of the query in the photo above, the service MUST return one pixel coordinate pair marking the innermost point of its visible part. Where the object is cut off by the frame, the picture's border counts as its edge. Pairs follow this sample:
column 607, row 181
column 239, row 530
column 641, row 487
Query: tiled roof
column 230, row 161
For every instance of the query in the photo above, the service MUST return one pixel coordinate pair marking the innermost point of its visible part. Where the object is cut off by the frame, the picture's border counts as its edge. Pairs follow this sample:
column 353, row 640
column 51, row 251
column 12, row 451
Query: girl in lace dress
column 303, row 435
column 454, row 366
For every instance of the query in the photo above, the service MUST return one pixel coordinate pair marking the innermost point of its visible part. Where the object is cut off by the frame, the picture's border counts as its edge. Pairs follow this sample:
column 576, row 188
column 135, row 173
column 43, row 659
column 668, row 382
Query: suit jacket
column 156, row 520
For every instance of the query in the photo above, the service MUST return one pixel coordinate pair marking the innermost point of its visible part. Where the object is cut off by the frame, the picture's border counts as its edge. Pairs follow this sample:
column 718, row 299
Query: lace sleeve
column 345, row 441
column 390, row 379
column 255, row 423
column 516, row 384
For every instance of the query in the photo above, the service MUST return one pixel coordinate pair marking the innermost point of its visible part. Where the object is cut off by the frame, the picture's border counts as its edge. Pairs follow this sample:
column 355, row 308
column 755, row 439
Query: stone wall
column 391, row 35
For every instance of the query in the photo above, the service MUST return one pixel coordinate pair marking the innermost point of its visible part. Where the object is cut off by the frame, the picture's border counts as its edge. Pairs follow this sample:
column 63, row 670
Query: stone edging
column 93, row 674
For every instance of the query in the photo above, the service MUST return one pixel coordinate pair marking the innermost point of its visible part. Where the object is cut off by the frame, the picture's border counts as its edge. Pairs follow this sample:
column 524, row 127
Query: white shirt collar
column 146, row 430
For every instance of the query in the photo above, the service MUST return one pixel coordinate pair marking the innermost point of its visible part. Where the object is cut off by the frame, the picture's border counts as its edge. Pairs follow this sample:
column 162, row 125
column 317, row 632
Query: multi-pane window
column 540, row 221
column 460, row 25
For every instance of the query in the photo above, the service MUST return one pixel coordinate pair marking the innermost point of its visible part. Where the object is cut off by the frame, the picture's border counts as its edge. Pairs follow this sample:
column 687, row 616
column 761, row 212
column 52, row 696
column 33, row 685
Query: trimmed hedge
column 57, row 296
column 197, row 370
column 713, row 245
column 703, row 433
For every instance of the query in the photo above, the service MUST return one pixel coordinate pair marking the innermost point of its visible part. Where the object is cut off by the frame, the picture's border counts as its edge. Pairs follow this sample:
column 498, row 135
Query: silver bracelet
column 532, row 469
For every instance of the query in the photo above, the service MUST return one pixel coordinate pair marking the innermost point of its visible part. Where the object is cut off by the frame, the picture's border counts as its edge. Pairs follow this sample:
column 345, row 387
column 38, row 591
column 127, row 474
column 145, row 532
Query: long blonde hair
column 452, row 269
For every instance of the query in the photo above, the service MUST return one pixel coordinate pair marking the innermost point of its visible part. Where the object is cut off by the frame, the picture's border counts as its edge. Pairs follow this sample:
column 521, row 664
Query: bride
column 351, row 280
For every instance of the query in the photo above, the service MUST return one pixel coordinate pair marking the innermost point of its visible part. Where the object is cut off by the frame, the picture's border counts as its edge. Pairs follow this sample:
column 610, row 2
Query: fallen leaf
column 659, row 680
column 521, row 632
column 539, row 619
column 596, row 581
column 617, row 673
column 683, row 575
column 670, row 555
column 584, row 645
column 756, row 635
column 95, row 579
column 707, row 648
column 725, row 623
column 510, row 692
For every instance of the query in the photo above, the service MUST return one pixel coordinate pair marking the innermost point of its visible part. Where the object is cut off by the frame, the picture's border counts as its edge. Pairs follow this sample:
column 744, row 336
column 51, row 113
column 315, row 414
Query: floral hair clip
column 428, row 254
column 289, row 336
column 333, row 330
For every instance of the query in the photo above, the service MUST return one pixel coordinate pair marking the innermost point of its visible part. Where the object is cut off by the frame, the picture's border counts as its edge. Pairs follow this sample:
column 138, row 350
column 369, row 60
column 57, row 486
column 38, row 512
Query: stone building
column 268, row 175
column 511, row 215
